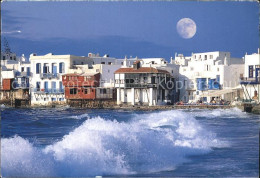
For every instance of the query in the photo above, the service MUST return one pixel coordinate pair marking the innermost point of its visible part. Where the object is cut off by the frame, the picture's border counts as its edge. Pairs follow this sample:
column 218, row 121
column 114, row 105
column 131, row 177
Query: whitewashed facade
column 139, row 85
column 46, row 83
column 250, row 81
column 209, row 76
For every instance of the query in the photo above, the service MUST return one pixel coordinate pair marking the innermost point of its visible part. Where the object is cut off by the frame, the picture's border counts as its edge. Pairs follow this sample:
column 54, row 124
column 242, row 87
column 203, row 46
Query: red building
column 81, row 86
column 7, row 84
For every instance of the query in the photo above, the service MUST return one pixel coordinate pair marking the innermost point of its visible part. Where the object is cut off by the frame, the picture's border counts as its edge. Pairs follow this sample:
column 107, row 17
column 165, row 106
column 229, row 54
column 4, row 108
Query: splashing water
column 146, row 143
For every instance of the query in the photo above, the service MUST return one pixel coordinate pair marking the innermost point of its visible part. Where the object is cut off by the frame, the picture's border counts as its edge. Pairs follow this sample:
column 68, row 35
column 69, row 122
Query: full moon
column 186, row 28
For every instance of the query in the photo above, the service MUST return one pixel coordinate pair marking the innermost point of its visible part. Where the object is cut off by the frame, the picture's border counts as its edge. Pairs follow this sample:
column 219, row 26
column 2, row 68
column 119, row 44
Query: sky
column 143, row 29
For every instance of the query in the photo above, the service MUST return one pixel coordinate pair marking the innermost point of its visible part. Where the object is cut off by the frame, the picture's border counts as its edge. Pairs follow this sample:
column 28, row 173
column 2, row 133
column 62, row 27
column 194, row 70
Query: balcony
column 139, row 85
column 250, row 81
column 48, row 91
column 23, row 74
column 22, row 85
column 49, row 76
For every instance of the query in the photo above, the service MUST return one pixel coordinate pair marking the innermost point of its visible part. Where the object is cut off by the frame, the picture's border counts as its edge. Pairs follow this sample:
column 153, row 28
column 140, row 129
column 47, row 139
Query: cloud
column 12, row 32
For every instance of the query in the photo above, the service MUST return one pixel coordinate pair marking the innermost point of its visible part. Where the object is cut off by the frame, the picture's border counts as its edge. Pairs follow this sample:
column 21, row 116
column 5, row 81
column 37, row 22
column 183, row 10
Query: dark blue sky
column 143, row 29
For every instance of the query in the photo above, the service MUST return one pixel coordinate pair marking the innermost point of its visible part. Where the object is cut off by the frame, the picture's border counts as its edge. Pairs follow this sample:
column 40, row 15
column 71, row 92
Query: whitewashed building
column 250, row 81
column 209, row 76
column 46, row 82
column 138, row 85
column 14, row 77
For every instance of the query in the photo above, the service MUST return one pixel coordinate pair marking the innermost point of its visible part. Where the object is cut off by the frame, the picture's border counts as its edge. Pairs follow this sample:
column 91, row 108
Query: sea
column 71, row 142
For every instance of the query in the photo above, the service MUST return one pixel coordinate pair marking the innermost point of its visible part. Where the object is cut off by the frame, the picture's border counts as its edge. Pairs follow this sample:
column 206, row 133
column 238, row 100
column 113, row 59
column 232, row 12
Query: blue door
column 46, row 87
column 257, row 70
column 53, row 86
column 201, row 84
column 61, row 87
column 54, row 69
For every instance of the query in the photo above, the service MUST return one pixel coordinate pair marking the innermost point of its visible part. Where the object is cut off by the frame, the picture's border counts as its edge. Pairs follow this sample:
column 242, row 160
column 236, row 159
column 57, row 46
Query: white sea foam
column 148, row 143
column 79, row 116
column 227, row 113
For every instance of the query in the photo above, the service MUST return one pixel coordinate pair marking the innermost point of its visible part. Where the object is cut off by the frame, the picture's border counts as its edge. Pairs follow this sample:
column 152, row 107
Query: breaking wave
column 226, row 113
column 147, row 143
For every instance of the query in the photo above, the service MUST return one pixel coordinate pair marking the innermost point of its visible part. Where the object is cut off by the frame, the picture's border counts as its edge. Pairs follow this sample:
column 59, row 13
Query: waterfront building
column 15, row 79
column 81, row 86
column 46, row 84
column 209, row 76
column 138, row 85
column 250, row 80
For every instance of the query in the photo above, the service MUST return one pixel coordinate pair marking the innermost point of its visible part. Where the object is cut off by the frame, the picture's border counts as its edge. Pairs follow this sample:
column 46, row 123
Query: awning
column 220, row 92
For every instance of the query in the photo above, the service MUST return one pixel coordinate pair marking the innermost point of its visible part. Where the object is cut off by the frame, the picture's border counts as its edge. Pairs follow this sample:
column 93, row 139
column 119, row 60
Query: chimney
column 137, row 65
column 125, row 62
column 171, row 60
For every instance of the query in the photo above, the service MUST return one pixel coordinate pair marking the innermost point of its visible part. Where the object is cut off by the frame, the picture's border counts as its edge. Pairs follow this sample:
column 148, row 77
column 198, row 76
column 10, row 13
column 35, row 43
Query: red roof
column 141, row 70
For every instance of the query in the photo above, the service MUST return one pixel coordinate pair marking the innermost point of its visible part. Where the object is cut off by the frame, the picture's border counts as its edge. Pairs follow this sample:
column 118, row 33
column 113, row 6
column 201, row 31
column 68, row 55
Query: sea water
column 81, row 142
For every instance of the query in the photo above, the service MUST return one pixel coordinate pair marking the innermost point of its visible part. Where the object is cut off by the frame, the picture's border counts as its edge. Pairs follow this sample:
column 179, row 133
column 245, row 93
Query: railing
column 23, row 85
column 49, row 75
column 23, row 74
column 49, row 91
column 139, row 85
column 255, row 80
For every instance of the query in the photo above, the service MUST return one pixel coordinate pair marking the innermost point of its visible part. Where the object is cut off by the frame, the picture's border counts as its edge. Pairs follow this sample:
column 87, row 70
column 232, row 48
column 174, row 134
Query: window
column 46, row 68
column 191, row 68
column 11, row 58
column 61, row 67
column 152, row 62
column 38, row 68
column 250, row 71
column 86, row 91
column 103, row 91
column 153, row 80
column 61, row 87
column 73, row 91
column 109, row 63
column 145, row 79
column 22, row 69
column 108, row 71
column 38, row 86
column 218, row 69
column 205, row 57
column 53, row 86
column 103, row 63
column 3, row 57
column 53, row 99
column 46, row 86
column 211, row 56
column 122, row 63
column 54, row 68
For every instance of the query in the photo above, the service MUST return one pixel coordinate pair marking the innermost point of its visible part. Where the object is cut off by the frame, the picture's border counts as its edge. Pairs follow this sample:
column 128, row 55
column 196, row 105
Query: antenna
column 6, row 46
